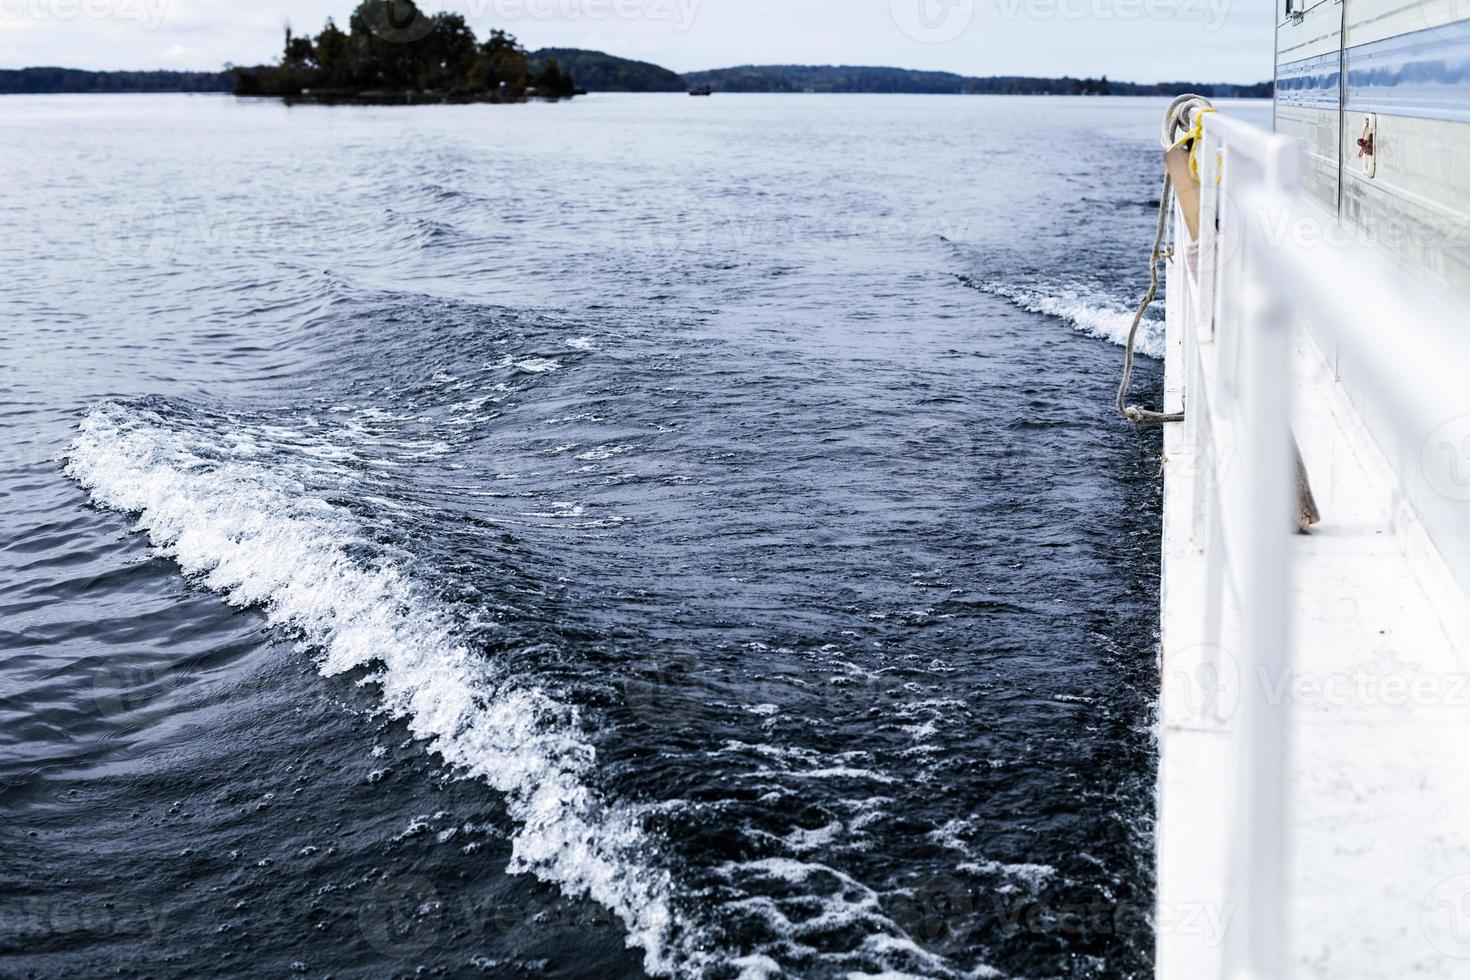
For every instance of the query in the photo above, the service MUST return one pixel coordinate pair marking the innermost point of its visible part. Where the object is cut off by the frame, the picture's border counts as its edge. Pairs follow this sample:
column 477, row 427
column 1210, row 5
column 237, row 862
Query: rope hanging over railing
column 1184, row 116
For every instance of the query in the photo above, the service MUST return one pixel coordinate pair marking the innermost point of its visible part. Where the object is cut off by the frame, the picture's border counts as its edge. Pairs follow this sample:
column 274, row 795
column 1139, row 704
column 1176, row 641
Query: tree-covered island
column 392, row 52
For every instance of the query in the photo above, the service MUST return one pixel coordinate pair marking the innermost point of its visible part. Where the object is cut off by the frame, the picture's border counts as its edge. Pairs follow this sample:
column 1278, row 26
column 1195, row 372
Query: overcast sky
column 1135, row 40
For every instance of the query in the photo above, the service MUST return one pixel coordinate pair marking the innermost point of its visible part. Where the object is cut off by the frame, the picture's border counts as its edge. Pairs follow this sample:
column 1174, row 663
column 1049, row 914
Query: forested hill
column 599, row 72
column 828, row 78
column 39, row 81
column 854, row 79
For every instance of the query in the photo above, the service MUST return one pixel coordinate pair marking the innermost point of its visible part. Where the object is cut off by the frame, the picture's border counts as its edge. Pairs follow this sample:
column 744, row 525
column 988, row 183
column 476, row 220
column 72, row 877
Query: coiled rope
column 1185, row 114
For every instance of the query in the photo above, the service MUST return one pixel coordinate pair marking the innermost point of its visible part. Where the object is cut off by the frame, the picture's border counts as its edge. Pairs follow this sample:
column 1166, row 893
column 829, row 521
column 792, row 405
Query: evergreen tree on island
column 393, row 52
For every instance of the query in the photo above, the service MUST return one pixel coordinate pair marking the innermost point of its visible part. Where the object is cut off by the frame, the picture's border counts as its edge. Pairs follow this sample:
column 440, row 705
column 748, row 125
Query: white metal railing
column 1263, row 267
column 1236, row 409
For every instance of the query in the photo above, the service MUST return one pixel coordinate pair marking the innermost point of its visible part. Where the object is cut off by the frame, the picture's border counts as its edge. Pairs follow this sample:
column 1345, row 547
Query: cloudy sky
column 1137, row 40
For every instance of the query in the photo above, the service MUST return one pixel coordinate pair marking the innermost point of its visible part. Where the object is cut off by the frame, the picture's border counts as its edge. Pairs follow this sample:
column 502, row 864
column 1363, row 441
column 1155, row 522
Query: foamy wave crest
column 1089, row 313
column 253, row 535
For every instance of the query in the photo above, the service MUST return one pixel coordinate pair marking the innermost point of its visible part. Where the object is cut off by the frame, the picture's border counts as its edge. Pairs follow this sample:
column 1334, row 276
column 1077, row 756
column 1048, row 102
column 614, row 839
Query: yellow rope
column 1194, row 138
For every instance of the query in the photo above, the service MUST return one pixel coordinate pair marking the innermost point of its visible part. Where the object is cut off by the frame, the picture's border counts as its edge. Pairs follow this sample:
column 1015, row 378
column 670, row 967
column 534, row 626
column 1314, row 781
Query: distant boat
column 702, row 90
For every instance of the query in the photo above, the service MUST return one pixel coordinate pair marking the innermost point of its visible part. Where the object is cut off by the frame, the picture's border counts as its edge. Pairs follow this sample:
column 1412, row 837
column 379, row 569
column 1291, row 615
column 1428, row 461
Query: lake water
column 638, row 534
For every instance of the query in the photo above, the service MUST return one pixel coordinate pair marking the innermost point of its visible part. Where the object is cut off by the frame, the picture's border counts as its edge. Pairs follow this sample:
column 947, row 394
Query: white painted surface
column 1338, row 845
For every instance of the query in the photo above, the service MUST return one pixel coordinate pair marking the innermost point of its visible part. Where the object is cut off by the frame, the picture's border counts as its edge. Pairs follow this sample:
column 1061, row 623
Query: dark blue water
column 636, row 535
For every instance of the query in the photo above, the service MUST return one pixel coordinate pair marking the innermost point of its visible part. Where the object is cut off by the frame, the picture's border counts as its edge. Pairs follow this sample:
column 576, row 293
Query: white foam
column 1033, row 876
column 841, row 772
column 1089, row 313
column 952, row 834
column 250, row 533
column 842, row 902
column 529, row 365
column 603, row 452
column 802, row 840
column 757, row 967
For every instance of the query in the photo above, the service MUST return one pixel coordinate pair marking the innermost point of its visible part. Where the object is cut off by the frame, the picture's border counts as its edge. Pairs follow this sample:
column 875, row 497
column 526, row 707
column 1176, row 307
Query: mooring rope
column 1183, row 114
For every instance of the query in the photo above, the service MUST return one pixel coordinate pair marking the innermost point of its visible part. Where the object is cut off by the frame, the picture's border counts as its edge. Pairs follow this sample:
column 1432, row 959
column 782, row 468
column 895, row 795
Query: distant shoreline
column 426, row 100
column 599, row 72
column 399, row 98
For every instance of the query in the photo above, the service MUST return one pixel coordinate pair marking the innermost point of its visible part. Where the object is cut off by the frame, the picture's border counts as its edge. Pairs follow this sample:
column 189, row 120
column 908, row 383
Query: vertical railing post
column 1263, row 759
column 1209, row 202
column 1265, row 633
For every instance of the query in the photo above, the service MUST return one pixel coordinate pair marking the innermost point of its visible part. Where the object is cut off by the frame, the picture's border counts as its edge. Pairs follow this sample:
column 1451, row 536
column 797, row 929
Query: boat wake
column 1088, row 311
column 252, row 533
